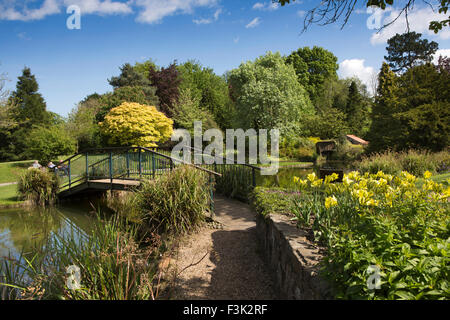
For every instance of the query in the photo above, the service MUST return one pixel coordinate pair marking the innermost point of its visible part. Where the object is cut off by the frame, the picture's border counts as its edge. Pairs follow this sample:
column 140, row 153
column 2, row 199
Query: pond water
column 285, row 176
column 25, row 231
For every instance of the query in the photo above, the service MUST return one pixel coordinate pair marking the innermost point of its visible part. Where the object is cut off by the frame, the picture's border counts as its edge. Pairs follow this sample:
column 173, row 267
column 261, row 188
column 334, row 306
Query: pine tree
column 408, row 50
column 357, row 112
column 31, row 106
column 384, row 128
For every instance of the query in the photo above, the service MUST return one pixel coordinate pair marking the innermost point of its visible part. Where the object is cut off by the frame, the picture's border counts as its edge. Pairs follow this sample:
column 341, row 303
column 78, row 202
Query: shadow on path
column 232, row 267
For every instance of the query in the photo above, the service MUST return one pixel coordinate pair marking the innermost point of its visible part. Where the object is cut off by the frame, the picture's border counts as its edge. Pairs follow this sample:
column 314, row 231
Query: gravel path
column 222, row 263
column 7, row 184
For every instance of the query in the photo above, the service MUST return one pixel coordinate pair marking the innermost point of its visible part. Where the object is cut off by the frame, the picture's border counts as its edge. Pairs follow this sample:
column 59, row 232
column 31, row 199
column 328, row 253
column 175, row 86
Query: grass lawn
column 10, row 171
column 8, row 195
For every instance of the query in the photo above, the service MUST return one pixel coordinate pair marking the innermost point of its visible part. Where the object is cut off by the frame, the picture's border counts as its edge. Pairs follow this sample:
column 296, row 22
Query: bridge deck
column 99, row 185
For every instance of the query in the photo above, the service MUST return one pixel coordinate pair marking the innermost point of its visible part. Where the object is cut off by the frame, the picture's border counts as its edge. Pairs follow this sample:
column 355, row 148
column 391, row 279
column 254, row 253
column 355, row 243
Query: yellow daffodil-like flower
column 372, row 203
column 347, row 181
column 330, row 202
column 316, row 183
column 300, row 182
column 331, row 177
column 408, row 177
column 311, row 177
column 389, row 199
column 427, row 174
column 354, row 175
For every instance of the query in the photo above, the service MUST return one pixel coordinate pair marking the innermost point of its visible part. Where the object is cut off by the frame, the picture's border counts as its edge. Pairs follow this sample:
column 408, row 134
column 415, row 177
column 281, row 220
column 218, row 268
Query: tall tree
column 357, row 111
column 408, row 50
column 313, row 67
column 424, row 108
column 209, row 89
column 31, row 107
column 268, row 95
column 384, row 128
column 131, row 78
column 167, row 82
column 124, row 94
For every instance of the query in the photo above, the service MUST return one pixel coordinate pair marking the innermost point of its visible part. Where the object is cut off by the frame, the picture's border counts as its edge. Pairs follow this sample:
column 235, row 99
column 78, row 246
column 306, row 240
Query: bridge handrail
column 110, row 149
column 225, row 158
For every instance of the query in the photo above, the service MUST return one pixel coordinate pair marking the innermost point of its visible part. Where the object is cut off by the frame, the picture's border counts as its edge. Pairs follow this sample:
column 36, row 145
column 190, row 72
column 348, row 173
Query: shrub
column 175, row 202
column 47, row 143
column 412, row 161
column 272, row 200
column 299, row 148
column 417, row 162
column 346, row 151
column 136, row 125
column 38, row 186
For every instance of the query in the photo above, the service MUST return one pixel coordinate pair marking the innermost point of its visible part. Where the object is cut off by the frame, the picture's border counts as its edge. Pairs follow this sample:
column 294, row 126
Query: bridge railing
column 130, row 163
column 235, row 180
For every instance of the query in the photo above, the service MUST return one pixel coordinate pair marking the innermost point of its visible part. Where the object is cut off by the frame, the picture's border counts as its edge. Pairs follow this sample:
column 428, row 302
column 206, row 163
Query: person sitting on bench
column 63, row 167
column 52, row 167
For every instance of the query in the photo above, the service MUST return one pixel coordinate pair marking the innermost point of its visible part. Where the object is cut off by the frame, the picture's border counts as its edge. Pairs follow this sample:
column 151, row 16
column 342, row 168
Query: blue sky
column 70, row 64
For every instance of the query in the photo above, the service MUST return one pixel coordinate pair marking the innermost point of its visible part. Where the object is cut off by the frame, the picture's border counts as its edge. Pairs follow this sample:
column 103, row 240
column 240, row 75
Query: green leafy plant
column 38, row 186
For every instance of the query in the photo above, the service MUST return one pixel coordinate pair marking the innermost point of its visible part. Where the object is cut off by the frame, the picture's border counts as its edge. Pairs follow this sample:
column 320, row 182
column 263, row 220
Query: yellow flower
column 427, row 174
column 372, row 202
column 317, row 183
column 330, row 202
column 311, row 177
column 347, row 181
column 330, row 178
column 300, row 182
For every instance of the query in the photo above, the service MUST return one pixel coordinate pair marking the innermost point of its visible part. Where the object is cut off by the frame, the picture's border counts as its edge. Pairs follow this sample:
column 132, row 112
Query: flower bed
column 386, row 238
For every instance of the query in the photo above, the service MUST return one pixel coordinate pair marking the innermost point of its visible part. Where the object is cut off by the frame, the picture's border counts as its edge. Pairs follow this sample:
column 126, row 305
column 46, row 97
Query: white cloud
column 104, row 7
column 355, row 68
column 149, row 11
column 419, row 20
column 18, row 10
column 11, row 12
column 209, row 20
column 268, row 6
column 153, row 11
column 254, row 23
column 441, row 52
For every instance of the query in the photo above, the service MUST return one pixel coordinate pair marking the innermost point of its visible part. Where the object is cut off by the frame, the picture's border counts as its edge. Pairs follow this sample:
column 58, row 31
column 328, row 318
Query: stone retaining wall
column 292, row 259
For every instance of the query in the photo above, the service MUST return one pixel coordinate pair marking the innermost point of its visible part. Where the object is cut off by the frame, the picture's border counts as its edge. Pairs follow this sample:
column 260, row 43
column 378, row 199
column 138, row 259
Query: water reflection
column 27, row 231
column 285, row 176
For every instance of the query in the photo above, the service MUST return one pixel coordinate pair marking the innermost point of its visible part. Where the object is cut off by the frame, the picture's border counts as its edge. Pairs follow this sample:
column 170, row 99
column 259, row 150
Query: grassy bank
column 10, row 171
column 8, row 196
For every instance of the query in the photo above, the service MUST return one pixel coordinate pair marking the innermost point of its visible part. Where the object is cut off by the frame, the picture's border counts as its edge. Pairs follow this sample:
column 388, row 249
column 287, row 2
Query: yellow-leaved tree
column 134, row 124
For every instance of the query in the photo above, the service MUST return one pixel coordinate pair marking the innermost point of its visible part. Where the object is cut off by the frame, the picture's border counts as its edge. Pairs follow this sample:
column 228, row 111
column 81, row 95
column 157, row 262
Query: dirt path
column 223, row 263
column 7, row 184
